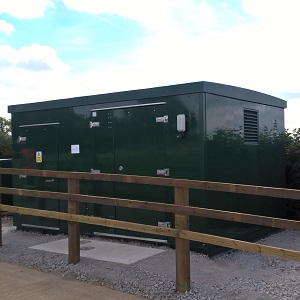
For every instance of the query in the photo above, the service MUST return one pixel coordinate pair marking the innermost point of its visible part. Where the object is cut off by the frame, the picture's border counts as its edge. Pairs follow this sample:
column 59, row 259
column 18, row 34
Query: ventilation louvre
column 250, row 126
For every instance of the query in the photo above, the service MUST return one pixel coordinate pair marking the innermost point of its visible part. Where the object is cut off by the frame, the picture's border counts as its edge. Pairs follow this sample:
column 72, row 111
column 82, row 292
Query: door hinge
column 164, row 119
column 21, row 139
column 49, row 180
column 163, row 172
column 94, row 124
column 164, row 224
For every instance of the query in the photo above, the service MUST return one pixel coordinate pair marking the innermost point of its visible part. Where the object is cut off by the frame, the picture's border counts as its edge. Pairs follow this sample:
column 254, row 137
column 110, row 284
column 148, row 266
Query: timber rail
column 180, row 209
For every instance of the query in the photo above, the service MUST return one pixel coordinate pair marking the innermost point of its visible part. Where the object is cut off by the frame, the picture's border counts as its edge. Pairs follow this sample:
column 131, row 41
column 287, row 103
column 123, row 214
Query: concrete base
column 106, row 251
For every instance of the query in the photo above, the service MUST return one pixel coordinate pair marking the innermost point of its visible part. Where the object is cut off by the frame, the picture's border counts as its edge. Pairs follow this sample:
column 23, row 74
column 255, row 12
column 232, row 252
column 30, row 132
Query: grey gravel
column 236, row 275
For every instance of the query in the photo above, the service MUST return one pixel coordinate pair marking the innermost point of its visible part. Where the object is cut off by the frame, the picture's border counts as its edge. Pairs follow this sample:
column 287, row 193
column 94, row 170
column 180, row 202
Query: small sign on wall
column 38, row 156
column 75, row 149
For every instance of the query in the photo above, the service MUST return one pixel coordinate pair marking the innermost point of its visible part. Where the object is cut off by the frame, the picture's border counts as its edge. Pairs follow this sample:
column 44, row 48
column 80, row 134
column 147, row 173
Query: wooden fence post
column 183, row 283
column 73, row 227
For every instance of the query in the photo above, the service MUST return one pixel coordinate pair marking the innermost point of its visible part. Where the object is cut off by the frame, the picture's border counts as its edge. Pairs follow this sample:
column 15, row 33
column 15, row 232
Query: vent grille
column 250, row 126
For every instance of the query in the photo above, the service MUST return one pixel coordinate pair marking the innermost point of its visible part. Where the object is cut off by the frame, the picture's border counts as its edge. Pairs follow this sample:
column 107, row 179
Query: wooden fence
column 181, row 209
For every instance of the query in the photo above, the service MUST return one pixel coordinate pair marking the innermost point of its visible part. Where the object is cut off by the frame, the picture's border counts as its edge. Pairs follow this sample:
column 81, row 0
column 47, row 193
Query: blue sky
column 52, row 49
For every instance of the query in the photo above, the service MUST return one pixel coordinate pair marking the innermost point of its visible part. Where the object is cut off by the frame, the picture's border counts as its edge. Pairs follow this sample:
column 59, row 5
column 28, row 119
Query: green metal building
column 202, row 131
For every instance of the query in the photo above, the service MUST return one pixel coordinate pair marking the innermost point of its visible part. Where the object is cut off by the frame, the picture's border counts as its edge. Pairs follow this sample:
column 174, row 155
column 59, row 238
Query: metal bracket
column 21, row 139
column 164, row 224
column 94, row 124
column 49, row 180
column 163, row 172
column 164, row 119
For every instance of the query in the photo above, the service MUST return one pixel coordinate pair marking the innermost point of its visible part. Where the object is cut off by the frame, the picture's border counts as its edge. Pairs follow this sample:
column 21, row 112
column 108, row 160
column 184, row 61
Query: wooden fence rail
column 181, row 209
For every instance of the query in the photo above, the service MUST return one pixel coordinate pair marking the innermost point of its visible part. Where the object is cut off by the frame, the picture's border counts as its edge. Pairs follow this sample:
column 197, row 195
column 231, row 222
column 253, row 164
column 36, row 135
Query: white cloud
column 292, row 114
column 272, row 9
column 7, row 28
column 185, row 44
column 240, row 56
column 275, row 42
column 224, row 4
column 188, row 42
column 155, row 15
column 276, row 19
column 34, row 58
column 28, row 74
column 22, row 9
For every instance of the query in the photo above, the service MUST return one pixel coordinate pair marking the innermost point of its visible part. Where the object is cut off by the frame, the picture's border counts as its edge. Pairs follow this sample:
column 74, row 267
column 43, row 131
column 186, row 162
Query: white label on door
column 75, row 149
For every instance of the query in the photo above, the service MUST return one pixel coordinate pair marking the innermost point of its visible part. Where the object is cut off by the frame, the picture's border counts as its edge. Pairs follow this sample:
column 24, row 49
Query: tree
column 292, row 146
column 5, row 138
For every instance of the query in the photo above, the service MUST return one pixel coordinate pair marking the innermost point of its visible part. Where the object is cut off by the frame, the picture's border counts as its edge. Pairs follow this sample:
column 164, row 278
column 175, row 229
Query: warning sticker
column 38, row 156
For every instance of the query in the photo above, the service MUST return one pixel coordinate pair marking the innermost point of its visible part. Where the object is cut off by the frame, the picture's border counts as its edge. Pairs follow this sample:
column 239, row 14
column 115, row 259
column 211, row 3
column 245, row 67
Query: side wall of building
column 230, row 158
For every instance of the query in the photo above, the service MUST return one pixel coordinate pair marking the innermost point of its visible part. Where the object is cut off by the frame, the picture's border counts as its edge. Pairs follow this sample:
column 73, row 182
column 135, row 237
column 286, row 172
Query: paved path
column 18, row 283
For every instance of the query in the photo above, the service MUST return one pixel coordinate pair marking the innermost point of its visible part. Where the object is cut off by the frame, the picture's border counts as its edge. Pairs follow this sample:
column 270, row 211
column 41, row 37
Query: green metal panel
column 230, row 159
column 152, row 93
column 140, row 150
column 103, row 161
column 73, row 130
column 38, row 149
column 185, row 153
column 128, row 141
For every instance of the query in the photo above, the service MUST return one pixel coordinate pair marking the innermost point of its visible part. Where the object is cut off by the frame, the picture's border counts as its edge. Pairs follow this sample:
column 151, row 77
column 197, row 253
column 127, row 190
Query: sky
column 53, row 49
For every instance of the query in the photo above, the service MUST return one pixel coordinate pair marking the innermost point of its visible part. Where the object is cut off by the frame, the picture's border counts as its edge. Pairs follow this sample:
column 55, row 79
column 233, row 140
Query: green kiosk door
column 129, row 140
column 140, row 150
column 103, row 161
column 38, row 149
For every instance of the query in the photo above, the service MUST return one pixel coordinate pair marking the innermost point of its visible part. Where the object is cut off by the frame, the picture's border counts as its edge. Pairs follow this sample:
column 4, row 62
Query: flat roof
column 156, row 92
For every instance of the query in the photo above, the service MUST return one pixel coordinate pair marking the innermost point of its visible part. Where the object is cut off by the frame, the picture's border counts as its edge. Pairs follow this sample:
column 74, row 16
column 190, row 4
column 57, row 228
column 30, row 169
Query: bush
column 5, row 138
column 292, row 146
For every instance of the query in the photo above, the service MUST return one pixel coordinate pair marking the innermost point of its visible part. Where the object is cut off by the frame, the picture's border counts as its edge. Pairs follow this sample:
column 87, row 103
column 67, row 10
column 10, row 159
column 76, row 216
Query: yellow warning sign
column 38, row 156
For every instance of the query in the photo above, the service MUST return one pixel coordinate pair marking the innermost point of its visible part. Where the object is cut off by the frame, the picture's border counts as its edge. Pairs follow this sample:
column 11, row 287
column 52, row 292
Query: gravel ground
column 237, row 275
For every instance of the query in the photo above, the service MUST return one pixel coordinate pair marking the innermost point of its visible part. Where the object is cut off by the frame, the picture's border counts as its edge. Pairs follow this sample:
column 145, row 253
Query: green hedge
column 292, row 146
column 5, row 138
